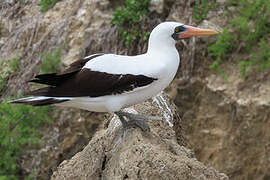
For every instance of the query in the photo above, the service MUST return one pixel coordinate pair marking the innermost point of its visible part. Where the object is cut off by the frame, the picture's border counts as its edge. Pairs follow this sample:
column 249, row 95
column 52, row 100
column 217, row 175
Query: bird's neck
column 160, row 44
column 163, row 50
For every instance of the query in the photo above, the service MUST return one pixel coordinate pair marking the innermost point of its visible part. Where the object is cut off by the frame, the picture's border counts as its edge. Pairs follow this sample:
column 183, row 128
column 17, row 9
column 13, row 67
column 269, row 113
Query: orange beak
column 193, row 31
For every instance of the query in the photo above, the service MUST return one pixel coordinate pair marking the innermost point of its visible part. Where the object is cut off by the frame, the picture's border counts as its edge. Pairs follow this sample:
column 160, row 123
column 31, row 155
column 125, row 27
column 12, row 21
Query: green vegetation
column 18, row 129
column 129, row 19
column 249, row 29
column 51, row 62
column 47, row 4
column 261, row 59
column 220, row 50
column 8, row 67
column 19, row 123
column 201, row 9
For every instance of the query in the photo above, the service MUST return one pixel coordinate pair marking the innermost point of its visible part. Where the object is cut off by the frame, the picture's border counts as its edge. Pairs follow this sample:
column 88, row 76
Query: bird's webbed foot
column 134, row 120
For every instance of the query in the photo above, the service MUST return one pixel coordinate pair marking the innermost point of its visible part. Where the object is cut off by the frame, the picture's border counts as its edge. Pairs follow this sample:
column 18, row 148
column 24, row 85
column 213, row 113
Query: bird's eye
column 176, row 30
column 179, row 29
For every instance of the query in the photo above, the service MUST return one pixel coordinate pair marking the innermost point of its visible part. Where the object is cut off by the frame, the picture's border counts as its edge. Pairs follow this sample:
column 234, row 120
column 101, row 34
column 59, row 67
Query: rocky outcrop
column 116, row 154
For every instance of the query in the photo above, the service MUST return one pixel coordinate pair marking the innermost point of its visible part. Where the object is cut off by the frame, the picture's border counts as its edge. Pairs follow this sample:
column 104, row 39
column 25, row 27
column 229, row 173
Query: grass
column 129, row 18
column 18, row 128
column 249, row 29
column 47, row 4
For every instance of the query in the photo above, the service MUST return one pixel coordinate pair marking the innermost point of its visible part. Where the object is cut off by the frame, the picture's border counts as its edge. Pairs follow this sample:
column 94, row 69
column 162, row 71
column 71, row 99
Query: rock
column 133, row 154
column 221, row 1
column 156, row 5
column 9, row 1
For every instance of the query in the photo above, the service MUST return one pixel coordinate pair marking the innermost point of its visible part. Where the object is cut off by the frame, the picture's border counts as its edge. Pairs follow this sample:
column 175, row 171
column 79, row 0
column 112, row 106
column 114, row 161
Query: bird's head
column 169, row 32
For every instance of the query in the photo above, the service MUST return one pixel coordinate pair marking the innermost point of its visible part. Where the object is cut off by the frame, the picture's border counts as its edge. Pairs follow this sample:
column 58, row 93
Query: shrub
column 249, row 29
column 129, row 18
column 201, row 9
column 18, row 128
column 51, row 62
column 47, row 4
column 261, row 59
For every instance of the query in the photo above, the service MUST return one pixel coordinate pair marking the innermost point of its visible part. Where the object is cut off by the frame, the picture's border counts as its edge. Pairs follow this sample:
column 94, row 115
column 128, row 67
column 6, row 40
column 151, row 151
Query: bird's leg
column 135, row 120
column 139, row 116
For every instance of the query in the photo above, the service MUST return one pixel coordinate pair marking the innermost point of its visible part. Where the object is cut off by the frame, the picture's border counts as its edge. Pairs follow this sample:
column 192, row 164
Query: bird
column 109, row 82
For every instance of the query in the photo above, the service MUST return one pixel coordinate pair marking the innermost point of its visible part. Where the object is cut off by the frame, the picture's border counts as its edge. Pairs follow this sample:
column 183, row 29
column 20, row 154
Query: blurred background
column 222, row 89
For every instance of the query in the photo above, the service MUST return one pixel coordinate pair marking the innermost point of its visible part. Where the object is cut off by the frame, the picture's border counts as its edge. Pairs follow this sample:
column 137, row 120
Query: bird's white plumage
column 161, row 62
column 135, row 65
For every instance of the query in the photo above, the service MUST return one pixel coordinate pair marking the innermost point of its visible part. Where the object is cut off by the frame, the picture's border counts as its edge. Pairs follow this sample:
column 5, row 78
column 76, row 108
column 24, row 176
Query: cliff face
column 226, row 124
column 230, row 129
column 27, row 33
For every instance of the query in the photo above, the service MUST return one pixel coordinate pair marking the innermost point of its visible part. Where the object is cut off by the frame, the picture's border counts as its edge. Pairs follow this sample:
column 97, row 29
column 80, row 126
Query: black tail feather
column 41, row 102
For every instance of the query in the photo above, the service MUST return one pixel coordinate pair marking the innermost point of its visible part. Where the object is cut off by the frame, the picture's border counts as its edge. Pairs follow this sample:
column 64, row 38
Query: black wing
column 89, row 83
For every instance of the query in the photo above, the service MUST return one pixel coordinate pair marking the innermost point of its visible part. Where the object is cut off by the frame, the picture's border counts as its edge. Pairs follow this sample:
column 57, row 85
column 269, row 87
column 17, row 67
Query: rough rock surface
column 133, row 154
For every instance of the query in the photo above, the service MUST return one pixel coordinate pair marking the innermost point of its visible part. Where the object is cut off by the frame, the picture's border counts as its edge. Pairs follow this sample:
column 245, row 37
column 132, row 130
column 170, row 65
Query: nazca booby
column 109, row 82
